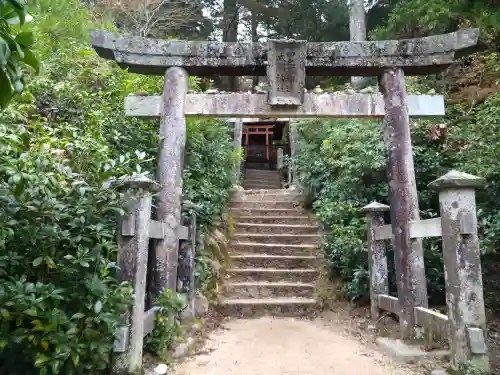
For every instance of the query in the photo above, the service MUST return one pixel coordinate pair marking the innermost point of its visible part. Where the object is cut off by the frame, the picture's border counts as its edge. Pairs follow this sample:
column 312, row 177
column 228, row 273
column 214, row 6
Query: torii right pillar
column 403, row 197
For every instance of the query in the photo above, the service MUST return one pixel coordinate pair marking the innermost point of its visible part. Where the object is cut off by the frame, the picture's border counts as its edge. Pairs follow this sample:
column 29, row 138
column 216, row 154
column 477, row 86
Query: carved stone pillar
column 170, row 167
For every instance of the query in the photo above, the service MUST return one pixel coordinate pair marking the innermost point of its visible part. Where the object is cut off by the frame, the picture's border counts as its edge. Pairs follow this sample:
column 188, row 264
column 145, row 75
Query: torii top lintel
column 153, row 56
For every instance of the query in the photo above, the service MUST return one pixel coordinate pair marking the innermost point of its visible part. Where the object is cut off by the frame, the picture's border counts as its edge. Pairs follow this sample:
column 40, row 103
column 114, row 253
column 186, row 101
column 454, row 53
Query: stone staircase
column 261, row 179
column 273, row 259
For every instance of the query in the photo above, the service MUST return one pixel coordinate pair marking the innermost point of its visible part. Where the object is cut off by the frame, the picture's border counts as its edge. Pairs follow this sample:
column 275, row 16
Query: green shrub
column 62, row 142
column 168, row 326
column 60, row 304
column 342, row 165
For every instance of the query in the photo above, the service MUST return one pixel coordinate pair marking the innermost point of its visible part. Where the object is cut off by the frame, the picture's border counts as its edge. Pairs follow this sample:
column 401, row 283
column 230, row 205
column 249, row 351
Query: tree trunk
column 357, row 30
column 230, row 20
column 254, row 39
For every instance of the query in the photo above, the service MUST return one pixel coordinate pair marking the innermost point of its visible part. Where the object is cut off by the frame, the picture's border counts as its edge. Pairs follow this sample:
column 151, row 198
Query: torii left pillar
column 170, row 167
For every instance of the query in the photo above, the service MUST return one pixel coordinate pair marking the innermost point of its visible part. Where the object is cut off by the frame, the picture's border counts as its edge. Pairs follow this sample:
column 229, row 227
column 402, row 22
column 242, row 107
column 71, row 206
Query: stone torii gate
column 286, row 63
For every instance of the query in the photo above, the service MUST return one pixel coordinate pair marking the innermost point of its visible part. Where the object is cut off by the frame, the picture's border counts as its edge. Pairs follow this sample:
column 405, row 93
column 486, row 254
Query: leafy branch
column 15, row 49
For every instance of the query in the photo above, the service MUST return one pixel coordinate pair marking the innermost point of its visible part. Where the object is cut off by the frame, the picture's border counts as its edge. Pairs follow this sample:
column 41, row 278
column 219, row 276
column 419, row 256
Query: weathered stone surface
column 137, row 183
column 133, row 262
column 418, row 229
column 375, row 207
column 273, row 248
column 170, row 167
column 457, row 179
column 400, row 351
column 286, row 72
column 389, row 303
column 243, row 227
column 264, row 195
column 266, row 289
column 181, row 350
column 462, row 266
column 272, row 274
column 161, row 369
column 253, row 185
column 267, row 306
column 377, row 258
column 439, row 371
column 153, row 56
column 408, row 257
column 267, row 274
column 327, row 105
column 263, row 204
column 283, row 212
column 196, row 327
column 273, row 261
column 292, row 173
column 477, row 342
column 201, row 305
column 296, row 239
column 295, row 220
column 279, row 153
column 433, row 321
column 238, row 134
column 187, row 265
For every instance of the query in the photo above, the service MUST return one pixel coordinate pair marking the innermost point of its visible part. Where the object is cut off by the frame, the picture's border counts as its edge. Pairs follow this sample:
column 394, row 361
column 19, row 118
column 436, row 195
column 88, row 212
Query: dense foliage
column 63, row 141
column 15, row 49
column 342, row 163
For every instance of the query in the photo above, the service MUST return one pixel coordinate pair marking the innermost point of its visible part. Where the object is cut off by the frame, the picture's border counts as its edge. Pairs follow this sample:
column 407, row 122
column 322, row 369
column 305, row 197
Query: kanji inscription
column 286, row 72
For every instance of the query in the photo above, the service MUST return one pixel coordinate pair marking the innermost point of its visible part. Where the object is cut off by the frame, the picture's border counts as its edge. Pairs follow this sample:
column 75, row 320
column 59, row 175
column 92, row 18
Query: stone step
column 264, row 204
column 261, row 185
column 285, row 239
column 262, row 181
column 272, row 274
column 273, row 261
column 247, row 187
column 261, row 172
column 275, row 228
column 267, row 306
column 268, row 289
column 292, row 220
column 271, row 191
column 282, row 212
column 265, row 195
column 272, row 249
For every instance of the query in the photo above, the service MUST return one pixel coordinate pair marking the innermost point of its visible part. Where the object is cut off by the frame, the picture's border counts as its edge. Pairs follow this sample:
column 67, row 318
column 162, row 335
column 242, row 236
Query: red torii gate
column 266, row 130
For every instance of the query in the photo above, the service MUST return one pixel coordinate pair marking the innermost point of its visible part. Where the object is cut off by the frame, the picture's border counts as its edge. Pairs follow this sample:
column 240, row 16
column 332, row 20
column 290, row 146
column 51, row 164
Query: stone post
column 408, row 253
column 133, row 240
column 170, row 167
column 191, row 260
column 238, row 134
column 293, row 137
column 462, row 268
column 377, row 258
column 279, row 158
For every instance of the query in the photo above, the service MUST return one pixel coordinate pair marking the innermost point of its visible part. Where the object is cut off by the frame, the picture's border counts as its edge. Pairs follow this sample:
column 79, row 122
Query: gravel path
column 285, row 346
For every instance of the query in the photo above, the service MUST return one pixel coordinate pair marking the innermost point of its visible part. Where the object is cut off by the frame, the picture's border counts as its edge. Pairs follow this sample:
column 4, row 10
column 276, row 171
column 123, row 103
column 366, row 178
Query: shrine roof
column 153, row 56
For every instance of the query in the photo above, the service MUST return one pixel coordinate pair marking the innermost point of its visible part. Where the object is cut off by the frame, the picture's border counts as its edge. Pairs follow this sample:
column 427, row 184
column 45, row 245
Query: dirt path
column 286, row 346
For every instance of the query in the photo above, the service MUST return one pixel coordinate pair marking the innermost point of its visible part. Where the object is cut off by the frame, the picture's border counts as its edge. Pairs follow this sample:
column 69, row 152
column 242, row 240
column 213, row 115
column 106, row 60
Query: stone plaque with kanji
column 286, row 72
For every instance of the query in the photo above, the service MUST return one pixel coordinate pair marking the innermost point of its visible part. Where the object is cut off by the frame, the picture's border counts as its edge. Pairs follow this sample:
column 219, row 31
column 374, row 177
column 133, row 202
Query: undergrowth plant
column 63, row 141
column 168, row 328
column 342, row 165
